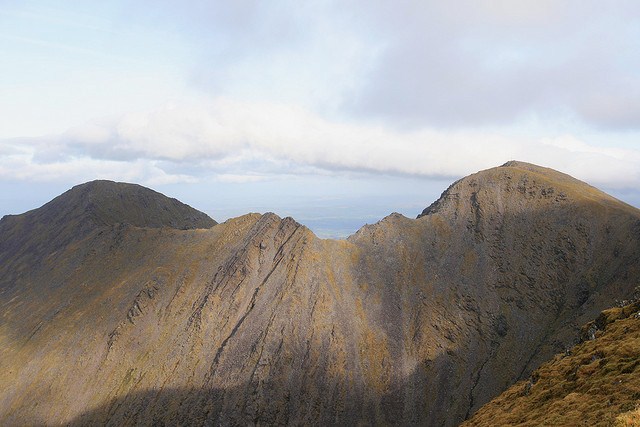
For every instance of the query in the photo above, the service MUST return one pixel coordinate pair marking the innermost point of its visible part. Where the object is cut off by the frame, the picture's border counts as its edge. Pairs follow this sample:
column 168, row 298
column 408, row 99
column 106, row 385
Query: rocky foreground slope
column 595, row 383
column 168, row 318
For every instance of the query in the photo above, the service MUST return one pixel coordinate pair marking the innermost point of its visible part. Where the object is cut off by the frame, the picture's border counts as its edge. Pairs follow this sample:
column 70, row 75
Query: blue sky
column 337, row 113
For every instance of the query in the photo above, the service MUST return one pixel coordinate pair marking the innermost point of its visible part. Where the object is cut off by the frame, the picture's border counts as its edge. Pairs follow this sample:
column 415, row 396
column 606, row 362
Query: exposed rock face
column 256, row 320
column 507, row 263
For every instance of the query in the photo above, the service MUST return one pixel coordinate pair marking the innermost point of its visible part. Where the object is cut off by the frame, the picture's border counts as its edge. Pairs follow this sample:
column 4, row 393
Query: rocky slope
column 595, row 383
column 256, row 320
column 26, row 240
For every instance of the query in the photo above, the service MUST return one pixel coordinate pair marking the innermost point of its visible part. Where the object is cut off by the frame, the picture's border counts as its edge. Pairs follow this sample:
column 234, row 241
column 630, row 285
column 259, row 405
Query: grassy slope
column 596, row 383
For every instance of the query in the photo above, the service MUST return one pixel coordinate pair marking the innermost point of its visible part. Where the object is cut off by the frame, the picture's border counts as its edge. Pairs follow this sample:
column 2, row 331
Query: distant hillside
column 595, row 383
column 39, row 233
column 120, row 306
column 110, row 203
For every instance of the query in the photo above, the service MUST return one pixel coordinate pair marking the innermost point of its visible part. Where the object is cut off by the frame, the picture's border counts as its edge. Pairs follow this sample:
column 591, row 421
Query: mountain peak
column 519, row 164
column 108, row 203
column 517, row 185
column 83, row 208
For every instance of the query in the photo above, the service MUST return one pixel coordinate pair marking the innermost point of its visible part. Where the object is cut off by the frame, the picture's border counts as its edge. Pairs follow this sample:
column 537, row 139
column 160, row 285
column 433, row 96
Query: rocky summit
column 120, row 306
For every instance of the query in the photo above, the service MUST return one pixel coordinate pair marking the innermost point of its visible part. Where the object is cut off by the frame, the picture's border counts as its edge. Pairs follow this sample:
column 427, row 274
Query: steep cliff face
column 256, row 320
column 506, row 265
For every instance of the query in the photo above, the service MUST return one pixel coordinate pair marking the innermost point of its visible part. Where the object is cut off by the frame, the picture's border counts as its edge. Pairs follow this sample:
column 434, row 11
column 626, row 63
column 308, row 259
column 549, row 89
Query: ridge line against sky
column 264, row 95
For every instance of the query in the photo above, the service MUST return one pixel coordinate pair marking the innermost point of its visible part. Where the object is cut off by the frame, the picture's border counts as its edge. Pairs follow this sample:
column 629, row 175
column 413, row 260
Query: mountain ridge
column 408, row 321
column 546, row 175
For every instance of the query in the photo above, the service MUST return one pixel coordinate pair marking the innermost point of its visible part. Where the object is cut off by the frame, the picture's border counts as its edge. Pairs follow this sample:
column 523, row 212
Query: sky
column 334, row 112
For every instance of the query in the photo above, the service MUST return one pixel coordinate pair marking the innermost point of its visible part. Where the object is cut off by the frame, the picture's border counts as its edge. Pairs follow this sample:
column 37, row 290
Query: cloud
column 459, row 63
column 454, row 64
column 227, row 140
column 28, row 159
column 471, row 63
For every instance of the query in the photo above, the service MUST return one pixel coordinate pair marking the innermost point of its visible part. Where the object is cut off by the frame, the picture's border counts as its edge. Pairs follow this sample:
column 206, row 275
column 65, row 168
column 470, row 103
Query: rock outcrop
column 258, row 321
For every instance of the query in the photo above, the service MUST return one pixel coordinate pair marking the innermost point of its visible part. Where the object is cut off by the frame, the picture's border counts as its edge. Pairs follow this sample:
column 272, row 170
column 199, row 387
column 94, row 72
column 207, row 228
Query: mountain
column 85, row 207
column 30, row 243
column 130, row 316
column 595, row 383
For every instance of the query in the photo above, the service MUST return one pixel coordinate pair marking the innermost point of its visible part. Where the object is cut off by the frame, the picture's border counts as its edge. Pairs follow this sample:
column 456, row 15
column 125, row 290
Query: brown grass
column 597, row 383
column 628, row 419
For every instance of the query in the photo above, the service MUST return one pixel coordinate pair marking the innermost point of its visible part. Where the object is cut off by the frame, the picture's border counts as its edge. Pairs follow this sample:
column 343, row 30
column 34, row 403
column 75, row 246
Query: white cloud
column 458, row 63
column 233, row 141
column 608, row 166
column 24, row 162
column 468, row 63
column 318, row 88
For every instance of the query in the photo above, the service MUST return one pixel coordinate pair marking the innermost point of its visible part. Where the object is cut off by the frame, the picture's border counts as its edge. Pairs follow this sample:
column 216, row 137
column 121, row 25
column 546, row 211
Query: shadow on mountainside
column 508, row 290
column 328, row 402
